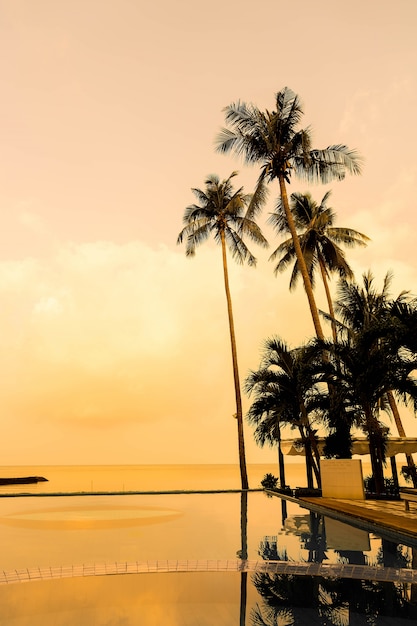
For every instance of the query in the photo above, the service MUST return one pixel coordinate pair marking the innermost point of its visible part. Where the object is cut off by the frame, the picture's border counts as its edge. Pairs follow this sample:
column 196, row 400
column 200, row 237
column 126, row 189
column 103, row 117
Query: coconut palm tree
column 320, row 242
column 284, row 392
column 274, row 140
column 371, row 361
column 226, row 214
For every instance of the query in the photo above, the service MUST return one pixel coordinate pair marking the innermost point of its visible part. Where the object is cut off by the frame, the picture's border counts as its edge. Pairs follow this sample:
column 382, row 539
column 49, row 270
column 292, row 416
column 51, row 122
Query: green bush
column 409, row 473
column 269, row 481
column 390, row 489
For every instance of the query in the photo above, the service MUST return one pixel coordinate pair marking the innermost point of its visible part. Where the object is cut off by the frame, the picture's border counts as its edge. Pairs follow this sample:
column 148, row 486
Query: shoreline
column 124, row 493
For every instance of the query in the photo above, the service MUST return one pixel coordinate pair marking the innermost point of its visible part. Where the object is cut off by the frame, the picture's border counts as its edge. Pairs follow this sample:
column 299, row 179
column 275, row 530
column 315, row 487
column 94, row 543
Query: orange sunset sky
column 114, row 347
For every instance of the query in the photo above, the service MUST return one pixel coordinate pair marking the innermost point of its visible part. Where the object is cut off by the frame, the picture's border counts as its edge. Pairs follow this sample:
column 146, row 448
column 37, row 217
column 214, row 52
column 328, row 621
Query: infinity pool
column 53, row 532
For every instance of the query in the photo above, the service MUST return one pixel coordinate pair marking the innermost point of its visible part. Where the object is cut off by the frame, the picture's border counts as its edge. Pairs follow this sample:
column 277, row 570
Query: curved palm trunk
column 328, row 297
column 377, row 461
column 300, row 259
column 401, row 432
column 281, row 464
column 310, row 446
column 238, row 396
column 342, row 426
column 303, row 269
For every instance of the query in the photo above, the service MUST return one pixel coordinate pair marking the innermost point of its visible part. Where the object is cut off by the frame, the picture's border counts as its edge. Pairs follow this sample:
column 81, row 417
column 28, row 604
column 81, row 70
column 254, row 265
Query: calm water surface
column 50, row 531
column 69, row 478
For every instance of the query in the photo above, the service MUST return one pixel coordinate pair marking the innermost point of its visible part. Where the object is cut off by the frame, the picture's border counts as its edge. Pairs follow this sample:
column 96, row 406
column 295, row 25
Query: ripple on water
column 90, row 517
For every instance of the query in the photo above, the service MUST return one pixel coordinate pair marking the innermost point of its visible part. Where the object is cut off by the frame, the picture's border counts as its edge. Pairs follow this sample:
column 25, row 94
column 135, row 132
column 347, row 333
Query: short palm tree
column 320, row 242
column 284, row 393
column 226, row 214
column 371, row 360
column 274, row 140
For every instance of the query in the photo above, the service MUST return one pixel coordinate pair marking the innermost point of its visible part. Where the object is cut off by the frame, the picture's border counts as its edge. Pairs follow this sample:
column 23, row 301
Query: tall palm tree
column 226, row 214
column 372, row 360
column 284, row 392
column 320, row 242
column 273, row 140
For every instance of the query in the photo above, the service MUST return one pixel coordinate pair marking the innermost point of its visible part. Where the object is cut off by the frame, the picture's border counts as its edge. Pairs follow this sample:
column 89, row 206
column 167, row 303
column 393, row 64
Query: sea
column 93, row 517
column 89, row 478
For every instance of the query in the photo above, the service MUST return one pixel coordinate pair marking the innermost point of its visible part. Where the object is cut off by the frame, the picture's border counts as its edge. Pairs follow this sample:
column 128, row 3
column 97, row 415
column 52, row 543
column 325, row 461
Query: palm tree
column 273, row 140
column 371, row 360
column 226, row 214
column 404, row 315
column 319, row 240
column 285, row 392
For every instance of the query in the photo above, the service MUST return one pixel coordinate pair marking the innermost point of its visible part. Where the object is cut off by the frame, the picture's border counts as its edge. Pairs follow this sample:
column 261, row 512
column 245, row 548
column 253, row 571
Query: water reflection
column 292, row 600
column 243, row 556
column 218, row 526
column 289, row 600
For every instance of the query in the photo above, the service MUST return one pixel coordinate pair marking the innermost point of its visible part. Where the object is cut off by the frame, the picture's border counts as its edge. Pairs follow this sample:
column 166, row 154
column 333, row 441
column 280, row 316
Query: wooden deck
column 379, row 516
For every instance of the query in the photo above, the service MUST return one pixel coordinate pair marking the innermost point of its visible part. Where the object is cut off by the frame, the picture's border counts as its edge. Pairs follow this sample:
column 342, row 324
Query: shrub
column 269, row 481
column 390, row 488
column 409, row 473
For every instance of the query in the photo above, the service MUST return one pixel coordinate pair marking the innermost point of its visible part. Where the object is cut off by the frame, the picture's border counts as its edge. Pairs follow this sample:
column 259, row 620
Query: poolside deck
column 387, row 516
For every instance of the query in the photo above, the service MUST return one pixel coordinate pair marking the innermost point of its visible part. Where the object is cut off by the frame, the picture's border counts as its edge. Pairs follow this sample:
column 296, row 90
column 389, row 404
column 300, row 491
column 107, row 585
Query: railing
column 327, row 570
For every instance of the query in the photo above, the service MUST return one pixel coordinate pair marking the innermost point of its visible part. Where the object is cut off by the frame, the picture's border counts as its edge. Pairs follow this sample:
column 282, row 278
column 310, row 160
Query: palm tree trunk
column 329, row 298
column 401, row 432
column 374, row 436
column 300, row 259
column 312, row 465
column 304, row 273
column 281, row 464
column 311, row 445
column 345, row 425
column 238, row 396
column 243, row 555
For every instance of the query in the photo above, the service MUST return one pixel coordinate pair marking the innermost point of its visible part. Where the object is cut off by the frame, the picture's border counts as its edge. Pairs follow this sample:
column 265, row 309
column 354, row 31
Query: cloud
column 120, row 347
column 129, row 324
column 32, row 222
column 106, row 337
column 370, row 111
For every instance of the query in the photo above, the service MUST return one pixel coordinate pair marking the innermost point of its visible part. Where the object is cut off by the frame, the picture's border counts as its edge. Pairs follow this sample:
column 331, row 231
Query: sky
column 114, row 346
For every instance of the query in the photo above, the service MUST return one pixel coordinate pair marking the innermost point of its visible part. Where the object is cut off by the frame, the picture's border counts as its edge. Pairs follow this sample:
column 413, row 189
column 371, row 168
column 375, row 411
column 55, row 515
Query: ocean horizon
column 142, row 477
column 148, row 477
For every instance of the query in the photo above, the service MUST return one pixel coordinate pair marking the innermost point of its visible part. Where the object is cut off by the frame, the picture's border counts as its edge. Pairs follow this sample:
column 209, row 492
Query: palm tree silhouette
column 227, row 214
column 284, row 392
column 371, row 361
column 273, row 140
column 320, row 242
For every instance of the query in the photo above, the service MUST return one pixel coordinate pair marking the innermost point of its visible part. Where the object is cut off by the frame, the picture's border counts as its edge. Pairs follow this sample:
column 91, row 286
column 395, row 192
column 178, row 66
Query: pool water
column 50, row 532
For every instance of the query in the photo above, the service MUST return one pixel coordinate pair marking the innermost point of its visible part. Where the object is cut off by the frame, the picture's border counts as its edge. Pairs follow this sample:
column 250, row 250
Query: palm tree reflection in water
column 289, row 600
column 243, row 555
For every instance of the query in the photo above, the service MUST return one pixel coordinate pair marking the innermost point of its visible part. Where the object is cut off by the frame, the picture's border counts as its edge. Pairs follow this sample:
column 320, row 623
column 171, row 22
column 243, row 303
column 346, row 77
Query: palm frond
column 289, row 113
column 238, row 249
column 257, row 200
column 347, row 236
column 332, row 163
column 194, row 235
column 286, row 252
column 253, row 231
